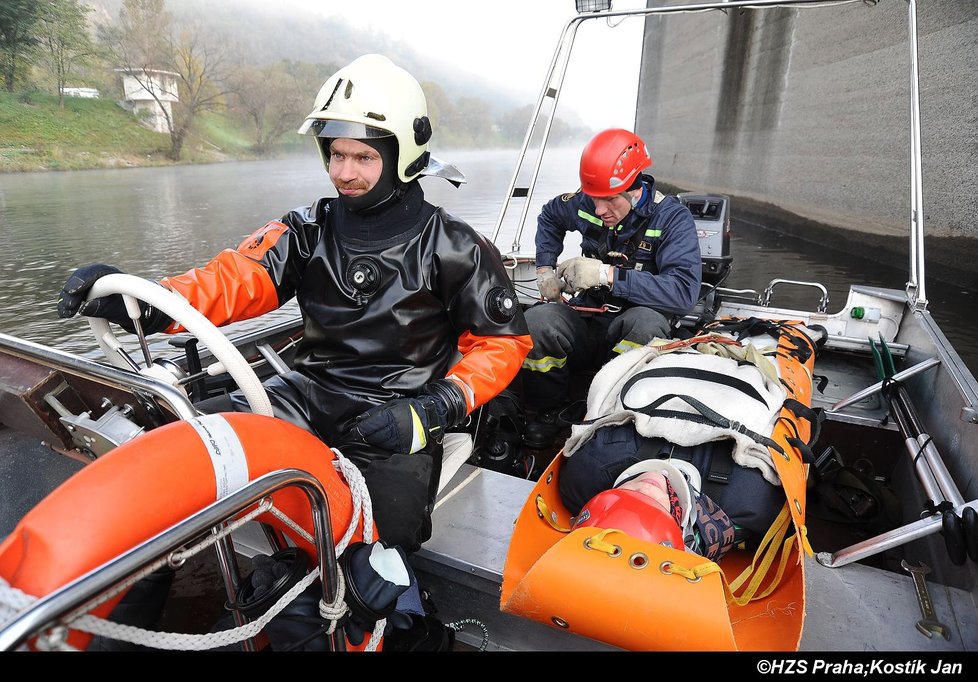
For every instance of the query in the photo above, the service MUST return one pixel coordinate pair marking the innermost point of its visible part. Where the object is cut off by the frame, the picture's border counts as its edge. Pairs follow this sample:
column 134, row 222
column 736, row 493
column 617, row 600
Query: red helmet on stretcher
column 612, row 161
column 633, row 513
column 634, row 506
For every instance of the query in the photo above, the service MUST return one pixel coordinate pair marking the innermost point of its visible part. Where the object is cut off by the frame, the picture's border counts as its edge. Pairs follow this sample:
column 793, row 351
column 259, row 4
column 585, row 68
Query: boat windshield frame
column 553, row 82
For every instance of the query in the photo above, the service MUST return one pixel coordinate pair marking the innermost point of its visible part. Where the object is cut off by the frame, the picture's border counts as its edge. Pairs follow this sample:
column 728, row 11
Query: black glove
column 374, row 589
column 112, row 308
column 406, row 425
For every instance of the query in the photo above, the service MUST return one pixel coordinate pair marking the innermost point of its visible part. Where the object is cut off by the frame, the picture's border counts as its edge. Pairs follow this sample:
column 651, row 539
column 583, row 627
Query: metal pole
column 231, row 575
column 105, row 374
column 921, row 464
column 927, row 450
column 889, row 540
column 918, row 292
column 877, row 387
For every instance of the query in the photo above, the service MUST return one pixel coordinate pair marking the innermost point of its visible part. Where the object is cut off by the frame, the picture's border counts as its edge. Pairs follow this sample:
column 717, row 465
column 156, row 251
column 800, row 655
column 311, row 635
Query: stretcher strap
column 597, row 542
column 697, row 375
column 776, row 541
column 706, row 416
column 551, row 518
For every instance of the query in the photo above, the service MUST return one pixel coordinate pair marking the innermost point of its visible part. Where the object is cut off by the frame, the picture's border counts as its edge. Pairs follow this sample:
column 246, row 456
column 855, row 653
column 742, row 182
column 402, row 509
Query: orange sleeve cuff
column 488, row 365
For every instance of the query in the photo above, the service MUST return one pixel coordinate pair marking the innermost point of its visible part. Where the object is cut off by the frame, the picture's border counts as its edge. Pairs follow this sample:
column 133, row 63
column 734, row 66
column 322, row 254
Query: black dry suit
column 392, row 299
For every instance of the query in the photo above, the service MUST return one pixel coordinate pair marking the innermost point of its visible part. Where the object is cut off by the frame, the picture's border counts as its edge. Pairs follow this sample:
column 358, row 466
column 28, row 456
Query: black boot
column 425, row 632
column 541, row 431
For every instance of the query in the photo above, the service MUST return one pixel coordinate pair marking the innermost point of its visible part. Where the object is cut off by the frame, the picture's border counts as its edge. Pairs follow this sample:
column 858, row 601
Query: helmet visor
column 334, row 129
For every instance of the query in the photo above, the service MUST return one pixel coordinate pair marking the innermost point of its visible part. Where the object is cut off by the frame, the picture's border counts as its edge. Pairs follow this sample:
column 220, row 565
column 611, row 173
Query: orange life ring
column 151, row 483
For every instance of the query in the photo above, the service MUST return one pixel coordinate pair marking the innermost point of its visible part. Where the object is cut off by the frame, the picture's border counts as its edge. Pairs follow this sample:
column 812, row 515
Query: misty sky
column 512, row 42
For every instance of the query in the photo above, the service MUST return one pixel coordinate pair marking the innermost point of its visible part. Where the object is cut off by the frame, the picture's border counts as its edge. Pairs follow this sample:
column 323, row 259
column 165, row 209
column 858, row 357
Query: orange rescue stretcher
column 638, row 595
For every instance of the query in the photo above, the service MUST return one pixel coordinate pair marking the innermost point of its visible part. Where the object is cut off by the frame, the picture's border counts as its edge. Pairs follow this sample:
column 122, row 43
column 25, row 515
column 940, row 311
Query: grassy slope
column 96, row 133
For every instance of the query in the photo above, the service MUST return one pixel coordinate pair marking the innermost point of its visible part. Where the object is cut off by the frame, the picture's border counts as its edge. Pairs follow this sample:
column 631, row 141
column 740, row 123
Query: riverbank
column 37, row 135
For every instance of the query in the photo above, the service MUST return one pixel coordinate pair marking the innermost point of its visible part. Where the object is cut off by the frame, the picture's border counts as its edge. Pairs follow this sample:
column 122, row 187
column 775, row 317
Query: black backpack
column 749, row 500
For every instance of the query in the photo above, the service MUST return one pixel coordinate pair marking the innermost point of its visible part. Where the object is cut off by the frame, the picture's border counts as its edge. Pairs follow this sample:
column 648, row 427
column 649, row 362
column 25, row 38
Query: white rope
column 55, row 639
column 174, row 559
column 296, row 528
column 361, row 501
column 188, row 642
column 12, row 601
column 360, row 497
column 333, row 612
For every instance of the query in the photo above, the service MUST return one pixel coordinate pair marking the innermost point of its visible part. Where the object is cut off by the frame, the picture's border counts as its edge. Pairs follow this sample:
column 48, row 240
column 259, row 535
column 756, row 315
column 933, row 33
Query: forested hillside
column 245, row 75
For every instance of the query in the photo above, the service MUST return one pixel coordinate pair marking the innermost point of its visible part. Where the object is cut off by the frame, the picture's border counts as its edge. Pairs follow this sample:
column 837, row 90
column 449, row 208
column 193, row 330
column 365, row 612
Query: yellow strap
column 803, row 539
column 548, row 516
column 597, row 542
column 774, row 543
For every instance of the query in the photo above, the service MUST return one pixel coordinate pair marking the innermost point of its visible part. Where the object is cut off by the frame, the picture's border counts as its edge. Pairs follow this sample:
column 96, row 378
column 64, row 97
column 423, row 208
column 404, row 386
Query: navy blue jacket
column 661, row 266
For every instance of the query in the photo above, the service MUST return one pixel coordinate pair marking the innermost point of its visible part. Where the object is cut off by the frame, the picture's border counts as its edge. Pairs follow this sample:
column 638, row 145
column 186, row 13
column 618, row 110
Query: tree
column 140, row 39
column 64, row 35
column 18, row 19
column 202, row 69
column 440, row 108
column 472, row 120
column 147, row 41
column 513, row 124
column 275, row 99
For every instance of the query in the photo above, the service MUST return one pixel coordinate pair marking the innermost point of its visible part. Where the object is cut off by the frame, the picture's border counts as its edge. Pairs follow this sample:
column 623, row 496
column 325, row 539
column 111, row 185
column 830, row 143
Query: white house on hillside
column 140, row 87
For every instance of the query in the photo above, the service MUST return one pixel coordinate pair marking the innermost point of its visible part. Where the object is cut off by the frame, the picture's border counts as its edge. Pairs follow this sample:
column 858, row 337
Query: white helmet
column 369, row 98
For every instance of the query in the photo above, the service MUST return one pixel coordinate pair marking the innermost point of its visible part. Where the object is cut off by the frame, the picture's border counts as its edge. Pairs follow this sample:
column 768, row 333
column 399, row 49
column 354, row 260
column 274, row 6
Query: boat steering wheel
column 134, row 289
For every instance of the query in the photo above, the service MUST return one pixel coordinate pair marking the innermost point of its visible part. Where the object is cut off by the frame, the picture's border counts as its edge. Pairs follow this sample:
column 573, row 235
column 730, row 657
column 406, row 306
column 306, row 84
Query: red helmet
column 611, row 162
column 633, row 513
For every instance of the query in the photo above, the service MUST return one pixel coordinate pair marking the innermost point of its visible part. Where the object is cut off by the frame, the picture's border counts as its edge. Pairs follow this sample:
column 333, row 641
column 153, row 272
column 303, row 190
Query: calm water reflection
column 162, row 221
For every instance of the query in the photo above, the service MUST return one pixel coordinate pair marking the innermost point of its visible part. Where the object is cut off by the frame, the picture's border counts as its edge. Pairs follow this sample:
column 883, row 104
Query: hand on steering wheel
column 135, row 289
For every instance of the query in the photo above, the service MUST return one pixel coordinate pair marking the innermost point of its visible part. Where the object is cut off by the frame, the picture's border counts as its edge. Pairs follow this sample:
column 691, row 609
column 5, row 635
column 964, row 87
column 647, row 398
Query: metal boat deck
column 866, row 609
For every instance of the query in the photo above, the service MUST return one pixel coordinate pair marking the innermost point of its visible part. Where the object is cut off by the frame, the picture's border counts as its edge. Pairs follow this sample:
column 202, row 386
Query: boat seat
column 458, row 448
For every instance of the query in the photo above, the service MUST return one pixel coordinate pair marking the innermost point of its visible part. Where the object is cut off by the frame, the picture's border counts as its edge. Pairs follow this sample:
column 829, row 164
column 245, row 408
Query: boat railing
column 56, row 359
column 823, row 303
column 75, row 599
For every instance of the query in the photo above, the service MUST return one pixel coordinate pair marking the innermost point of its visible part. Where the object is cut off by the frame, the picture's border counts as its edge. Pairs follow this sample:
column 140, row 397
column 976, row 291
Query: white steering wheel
column 135, row 289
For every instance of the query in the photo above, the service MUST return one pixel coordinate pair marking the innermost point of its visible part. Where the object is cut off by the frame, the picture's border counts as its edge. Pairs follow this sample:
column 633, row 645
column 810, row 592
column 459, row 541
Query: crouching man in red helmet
column 641, row 266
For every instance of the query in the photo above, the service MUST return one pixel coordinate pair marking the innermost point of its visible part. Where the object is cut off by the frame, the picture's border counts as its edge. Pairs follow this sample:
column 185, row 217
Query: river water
column 154, row 222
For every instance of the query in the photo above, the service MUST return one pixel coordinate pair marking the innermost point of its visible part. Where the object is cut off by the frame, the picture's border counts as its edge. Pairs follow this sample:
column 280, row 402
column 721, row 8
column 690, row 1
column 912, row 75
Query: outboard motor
column 711, row 212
